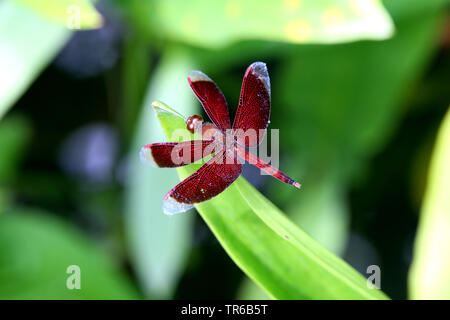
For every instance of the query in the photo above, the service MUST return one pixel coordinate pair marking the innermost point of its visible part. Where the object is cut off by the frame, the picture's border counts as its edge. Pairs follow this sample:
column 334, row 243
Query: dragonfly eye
column 192, row 122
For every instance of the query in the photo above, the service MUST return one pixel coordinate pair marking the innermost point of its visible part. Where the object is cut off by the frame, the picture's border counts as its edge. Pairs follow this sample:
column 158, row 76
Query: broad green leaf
column 37, row 248
column 159, row 246
column 429, row 276
column 215, row 23
column 27, row 45
column 267, row 246
column 72, row 14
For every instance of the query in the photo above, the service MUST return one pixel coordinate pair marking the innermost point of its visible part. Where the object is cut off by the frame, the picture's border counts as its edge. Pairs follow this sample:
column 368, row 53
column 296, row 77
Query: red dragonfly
column 226, row 143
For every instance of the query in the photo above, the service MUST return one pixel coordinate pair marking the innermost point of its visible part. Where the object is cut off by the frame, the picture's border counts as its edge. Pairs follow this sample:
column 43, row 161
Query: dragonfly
column 227, row 144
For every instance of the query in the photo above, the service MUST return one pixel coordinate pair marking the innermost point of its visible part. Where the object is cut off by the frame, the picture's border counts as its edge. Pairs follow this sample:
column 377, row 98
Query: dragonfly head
column 193, row 122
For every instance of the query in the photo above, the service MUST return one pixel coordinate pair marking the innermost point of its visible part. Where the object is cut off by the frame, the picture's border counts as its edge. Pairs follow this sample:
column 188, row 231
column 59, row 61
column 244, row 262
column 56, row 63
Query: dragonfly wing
column 252, row 115
column 175, row 154
column 211, row 98
column 207, row 182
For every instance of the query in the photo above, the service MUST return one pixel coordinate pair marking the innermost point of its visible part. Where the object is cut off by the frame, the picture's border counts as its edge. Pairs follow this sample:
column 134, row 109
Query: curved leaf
column 267, row 246
column 215, row 23
column 429, row 277
column 27, row 44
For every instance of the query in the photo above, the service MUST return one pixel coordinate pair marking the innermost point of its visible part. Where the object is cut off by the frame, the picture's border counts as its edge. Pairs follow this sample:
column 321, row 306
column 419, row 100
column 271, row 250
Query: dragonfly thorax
column 210, row 132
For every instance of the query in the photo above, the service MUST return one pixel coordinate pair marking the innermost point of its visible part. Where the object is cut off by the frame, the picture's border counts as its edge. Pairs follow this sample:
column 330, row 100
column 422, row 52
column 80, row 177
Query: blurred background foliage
column 359, row 89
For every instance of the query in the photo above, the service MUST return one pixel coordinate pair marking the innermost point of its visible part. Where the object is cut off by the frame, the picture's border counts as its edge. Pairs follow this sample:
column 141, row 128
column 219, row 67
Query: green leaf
column 216, row 23
column 35, row 251
column 27, row 45
column 73, row 14
column 429, row 276
column 159, row 246
column 267, row 246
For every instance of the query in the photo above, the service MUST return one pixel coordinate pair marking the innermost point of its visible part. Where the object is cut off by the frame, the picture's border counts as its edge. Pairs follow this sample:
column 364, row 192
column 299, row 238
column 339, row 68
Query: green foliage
column 410, row 9
column 216, row 23
column 35, row 251
column 329, row 94
column 14, row 135
column 27, row 45
column 429, row 276
column 359, row 83
column 267, row 246
column 135, row 73
column 66, row 12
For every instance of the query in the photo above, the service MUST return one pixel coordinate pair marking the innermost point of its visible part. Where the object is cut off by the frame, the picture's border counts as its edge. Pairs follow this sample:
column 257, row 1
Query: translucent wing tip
column 259, row 69
column 196, row 75
column 145, row 154
column 259, row 66
column 171, row 206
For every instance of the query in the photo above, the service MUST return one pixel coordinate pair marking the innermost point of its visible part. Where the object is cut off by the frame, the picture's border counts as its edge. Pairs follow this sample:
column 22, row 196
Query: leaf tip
column 161, row 107
column 98, row 21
